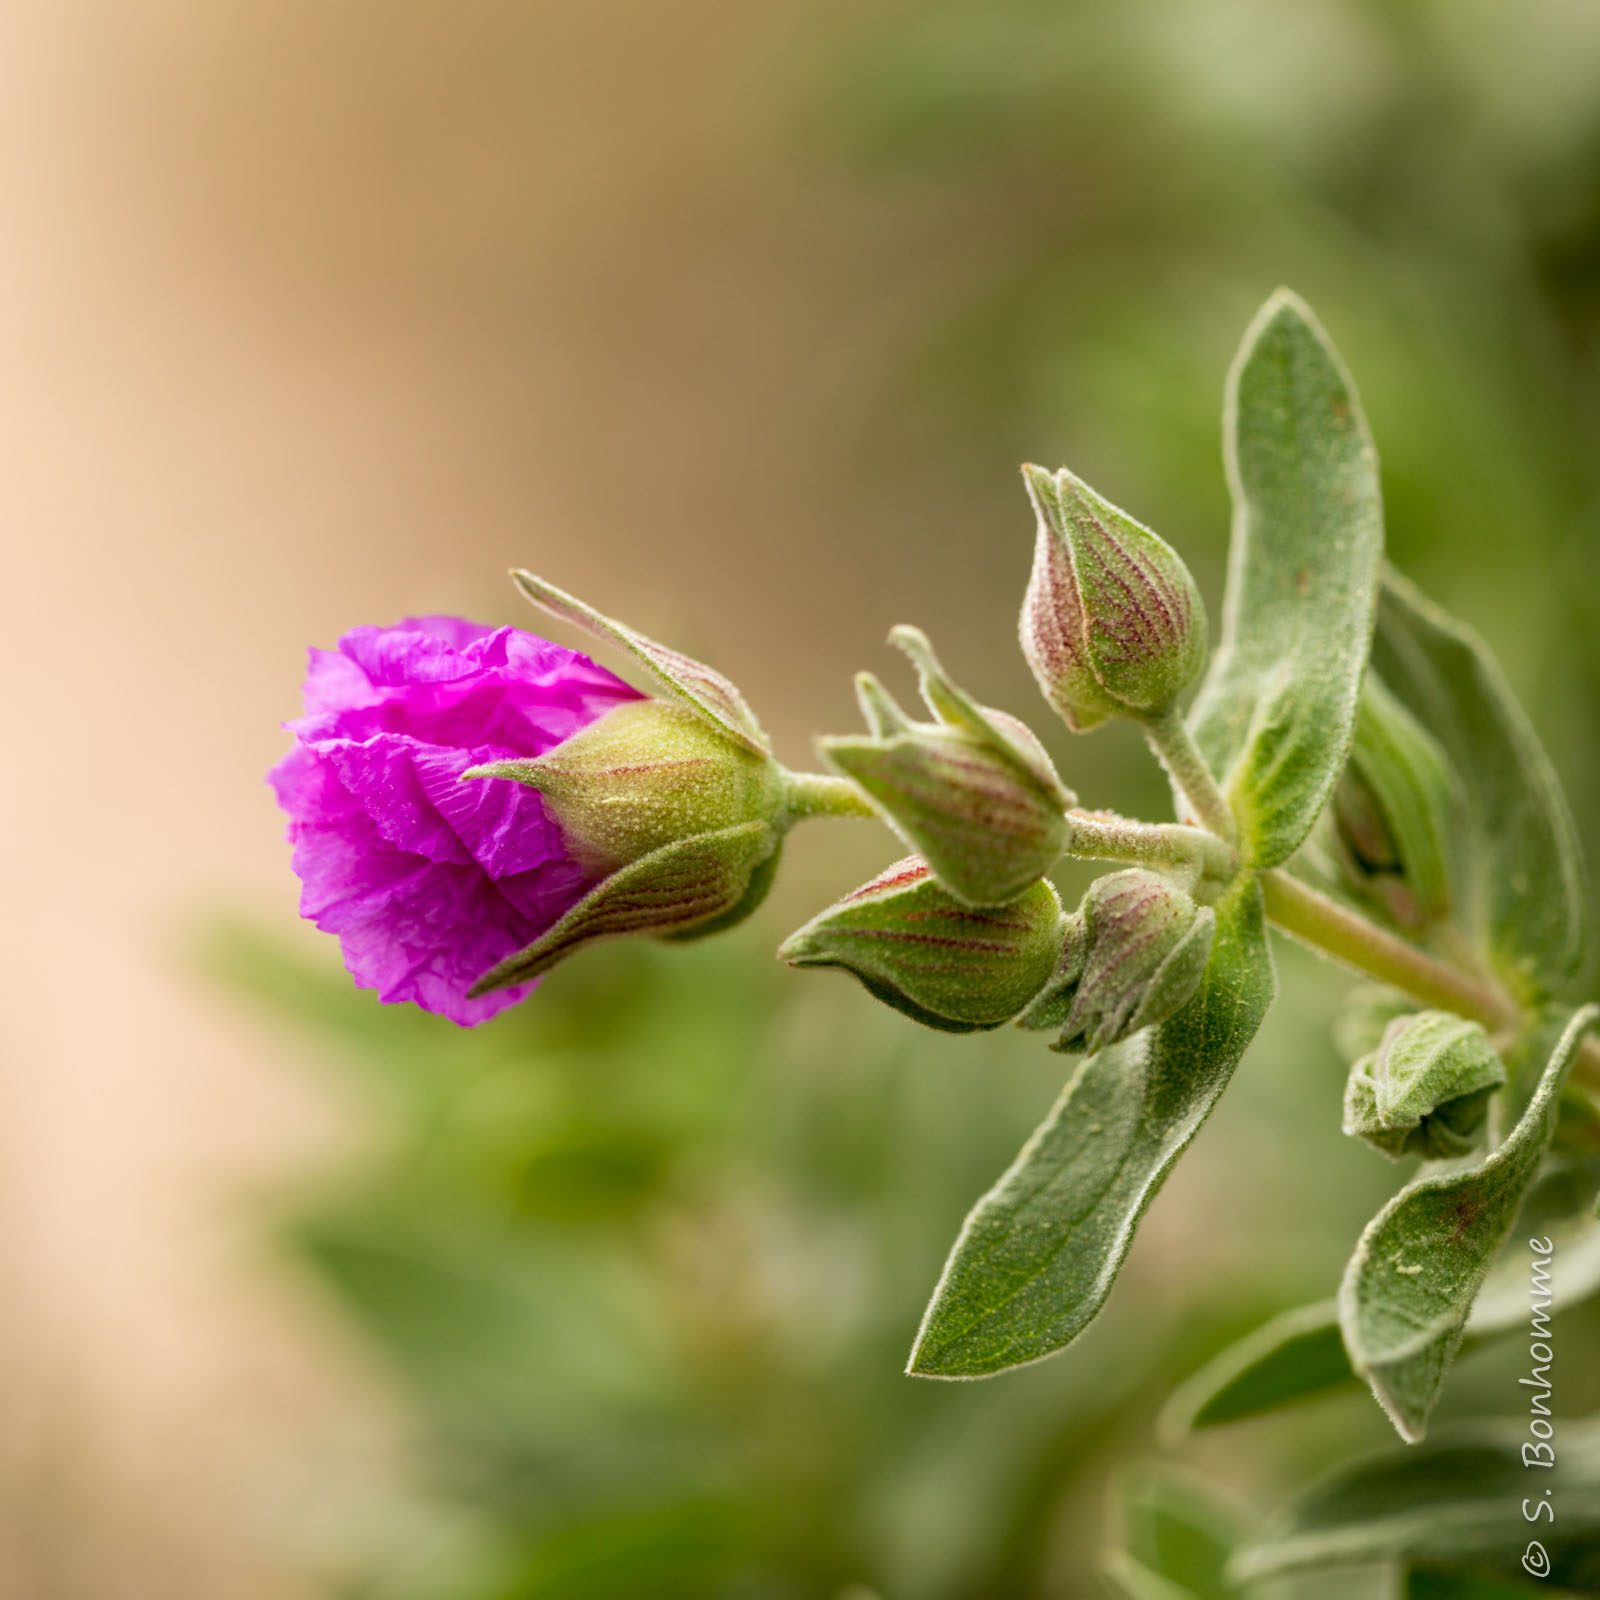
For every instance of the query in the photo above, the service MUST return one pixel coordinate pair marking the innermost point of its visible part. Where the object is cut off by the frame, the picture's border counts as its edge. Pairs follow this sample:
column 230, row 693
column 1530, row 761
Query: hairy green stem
column 1104, row 836
column 1174, row 745
column 1349, row 937
column 818, row 794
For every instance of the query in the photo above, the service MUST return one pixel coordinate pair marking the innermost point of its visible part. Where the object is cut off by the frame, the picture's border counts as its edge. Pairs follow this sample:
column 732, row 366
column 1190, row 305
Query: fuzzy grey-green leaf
column 1455, row 1499
column 1300, row 1354
column 1409, row 1288
column 1524, row 895
column 1039, row 1253
column 1276, row 712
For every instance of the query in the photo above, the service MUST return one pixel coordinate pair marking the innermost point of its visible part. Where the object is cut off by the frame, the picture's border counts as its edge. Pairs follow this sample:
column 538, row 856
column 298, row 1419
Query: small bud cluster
column 1425, row 1090
column 1134, row 955
column 671, row 809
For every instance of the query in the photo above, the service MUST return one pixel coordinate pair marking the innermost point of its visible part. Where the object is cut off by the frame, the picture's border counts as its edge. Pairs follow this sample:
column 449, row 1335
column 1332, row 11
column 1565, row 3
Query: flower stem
column 1349, row 937
column 1104, row 836
column 1172, row 742
column 819, row 794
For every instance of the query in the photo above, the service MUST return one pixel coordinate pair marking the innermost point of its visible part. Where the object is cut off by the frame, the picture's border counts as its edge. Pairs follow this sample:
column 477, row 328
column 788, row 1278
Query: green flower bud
column 973, row 793
column 675, row 805
column 644, row 775
column 951, row 966
column 1132, row 956
column 1392, row 813
column 1112, row 623
column 1425, row 1090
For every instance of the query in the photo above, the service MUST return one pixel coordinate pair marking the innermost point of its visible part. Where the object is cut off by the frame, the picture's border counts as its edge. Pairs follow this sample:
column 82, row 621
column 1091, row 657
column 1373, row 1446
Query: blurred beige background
column 312, row 315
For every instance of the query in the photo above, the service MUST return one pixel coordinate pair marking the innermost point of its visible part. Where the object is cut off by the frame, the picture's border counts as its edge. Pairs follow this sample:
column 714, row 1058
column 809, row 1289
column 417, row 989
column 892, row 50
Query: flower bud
column 644, row 775
column 1392, row 813
column 1425, row 1090
column 673, row 809
column 1133, row 956
column 1112, row 623
column 951, row 966
column 973, row 792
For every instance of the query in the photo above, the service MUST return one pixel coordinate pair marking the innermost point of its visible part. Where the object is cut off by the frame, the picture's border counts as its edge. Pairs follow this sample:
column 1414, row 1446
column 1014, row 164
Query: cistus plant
column 470, row 806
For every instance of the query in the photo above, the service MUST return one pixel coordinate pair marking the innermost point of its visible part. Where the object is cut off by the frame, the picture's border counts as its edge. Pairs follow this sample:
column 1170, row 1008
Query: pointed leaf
column 1277, row 710
column 1038, row 1255
column 1526, row 900
column 698, row 686
column 1409, row 1287
column 1455, row 1500
column 1300, row 1355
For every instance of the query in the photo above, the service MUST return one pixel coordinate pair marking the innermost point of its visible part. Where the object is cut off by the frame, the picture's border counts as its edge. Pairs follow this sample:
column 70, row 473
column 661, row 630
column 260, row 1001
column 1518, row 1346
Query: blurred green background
column 737, row 321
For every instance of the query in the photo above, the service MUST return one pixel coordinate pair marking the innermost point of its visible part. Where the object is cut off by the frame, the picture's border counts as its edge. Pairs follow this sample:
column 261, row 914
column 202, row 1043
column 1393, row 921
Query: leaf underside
column 1276, row 713
column 1037, row 1256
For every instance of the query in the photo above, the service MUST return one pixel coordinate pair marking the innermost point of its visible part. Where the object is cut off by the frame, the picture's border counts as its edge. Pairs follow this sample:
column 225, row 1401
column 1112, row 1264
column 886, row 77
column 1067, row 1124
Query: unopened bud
column 1133, row 956
column 1392, row 812
column 1425, row 1090
column 1112, row 623
column 951, row 966
column 674, row 807
column 646, row 774
column 973, row 793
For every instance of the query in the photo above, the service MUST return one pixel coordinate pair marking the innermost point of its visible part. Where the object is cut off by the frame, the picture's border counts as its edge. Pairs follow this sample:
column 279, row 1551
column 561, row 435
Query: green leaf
column 1300, row 1355
column 1277, row 710
column 1408, row 1290
column 1446, row 1583
column 1038, row 1255
column 1296, row 1356
column 1524, row 899
column 1173, row 1529
column 1455, row 1501
column 1132, row 1580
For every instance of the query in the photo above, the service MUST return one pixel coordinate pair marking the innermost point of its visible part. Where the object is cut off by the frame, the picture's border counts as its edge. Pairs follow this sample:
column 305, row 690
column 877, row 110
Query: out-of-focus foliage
column 645, row 1252
column 644, row 1257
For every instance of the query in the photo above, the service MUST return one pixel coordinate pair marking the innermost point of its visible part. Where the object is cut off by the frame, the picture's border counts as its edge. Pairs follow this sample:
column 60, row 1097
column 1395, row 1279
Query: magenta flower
column 429, row 881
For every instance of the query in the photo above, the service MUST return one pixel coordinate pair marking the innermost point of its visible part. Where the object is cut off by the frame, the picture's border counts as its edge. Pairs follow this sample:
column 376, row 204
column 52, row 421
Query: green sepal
column 1454, row 1501
column 1409, row 1288
column 1277, row 711
column 951, row 966
column 973, row 794
column 1425, row 1090
column 1039, row 1253
column 646, row 774
column 1112, row 623
column 673, row 890
column 703, row 689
